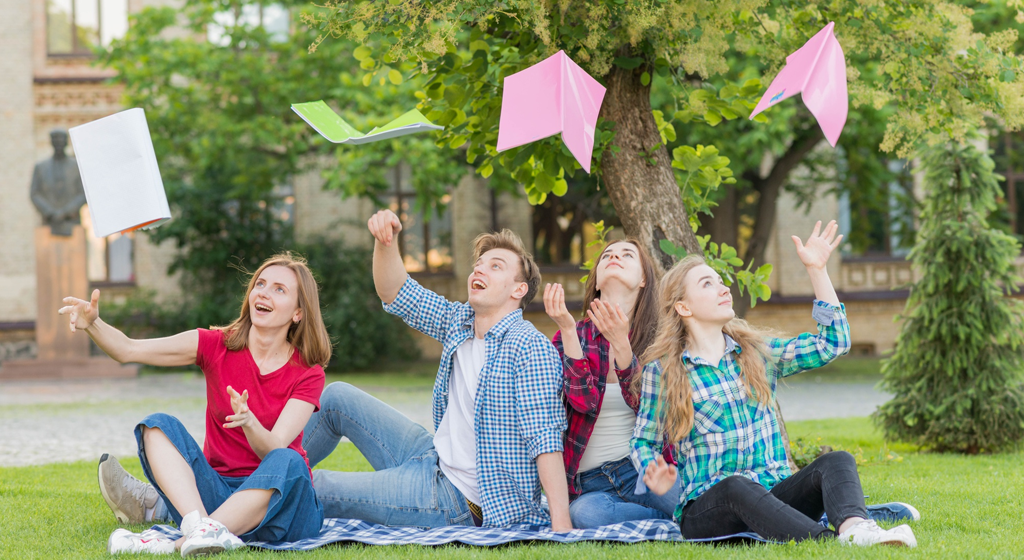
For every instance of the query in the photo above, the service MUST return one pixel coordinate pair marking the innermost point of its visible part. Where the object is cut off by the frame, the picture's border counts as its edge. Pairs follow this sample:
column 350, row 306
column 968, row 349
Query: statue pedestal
column 61, row 272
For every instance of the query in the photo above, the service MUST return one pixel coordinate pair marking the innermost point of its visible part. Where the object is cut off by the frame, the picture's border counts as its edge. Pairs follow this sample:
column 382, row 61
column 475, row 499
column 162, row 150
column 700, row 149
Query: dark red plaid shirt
column 583, row 384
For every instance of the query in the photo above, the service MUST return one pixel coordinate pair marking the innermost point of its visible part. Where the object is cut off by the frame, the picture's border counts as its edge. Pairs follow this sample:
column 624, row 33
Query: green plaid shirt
column 732, row 433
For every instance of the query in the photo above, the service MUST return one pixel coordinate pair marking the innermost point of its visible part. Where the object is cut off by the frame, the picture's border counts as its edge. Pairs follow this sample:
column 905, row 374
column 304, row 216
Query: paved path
column 46, row 422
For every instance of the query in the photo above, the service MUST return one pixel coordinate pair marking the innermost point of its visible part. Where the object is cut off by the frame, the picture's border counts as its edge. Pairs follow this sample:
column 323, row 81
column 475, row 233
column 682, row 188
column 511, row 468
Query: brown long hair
column 308, row 335
column 677, row 391
column 643, row 320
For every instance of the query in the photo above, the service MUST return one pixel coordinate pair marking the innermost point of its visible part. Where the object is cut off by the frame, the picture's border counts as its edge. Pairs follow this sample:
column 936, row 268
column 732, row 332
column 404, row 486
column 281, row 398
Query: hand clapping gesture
column 83, row 313
column 384, row 225
column 660, row 476
column 242, row 418
column 819, row 245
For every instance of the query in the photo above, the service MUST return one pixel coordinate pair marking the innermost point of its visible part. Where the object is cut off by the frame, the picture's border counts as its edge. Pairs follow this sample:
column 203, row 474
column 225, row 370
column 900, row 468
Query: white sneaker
column 868, row 533
column 123, row 540
column 206, row 536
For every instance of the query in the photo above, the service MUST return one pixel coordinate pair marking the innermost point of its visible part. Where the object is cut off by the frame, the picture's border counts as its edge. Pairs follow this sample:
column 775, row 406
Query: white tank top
column 612, row 431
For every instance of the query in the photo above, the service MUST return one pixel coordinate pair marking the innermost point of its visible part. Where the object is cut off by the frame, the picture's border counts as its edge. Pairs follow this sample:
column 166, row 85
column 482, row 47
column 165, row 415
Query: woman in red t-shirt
column 264, row 375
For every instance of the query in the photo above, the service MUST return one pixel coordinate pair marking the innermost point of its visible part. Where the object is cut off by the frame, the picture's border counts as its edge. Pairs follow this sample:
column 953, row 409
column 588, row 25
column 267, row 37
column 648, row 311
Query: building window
column 426, row 245
column 108, row 259
column 1008, row 153
column 273, row 18
column 882, row 227
column 75, row 27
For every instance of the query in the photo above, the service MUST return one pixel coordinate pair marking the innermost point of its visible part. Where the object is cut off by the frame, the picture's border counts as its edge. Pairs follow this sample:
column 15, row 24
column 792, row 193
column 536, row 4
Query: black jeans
column 790, row 511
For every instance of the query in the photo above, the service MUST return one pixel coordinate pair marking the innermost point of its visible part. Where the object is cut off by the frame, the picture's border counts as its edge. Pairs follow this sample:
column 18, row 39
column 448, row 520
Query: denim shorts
column 293, row 514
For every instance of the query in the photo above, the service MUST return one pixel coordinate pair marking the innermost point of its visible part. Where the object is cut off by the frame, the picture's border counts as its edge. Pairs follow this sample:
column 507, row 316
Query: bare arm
column 289, row 424
column 551, row 468
column 176, row 350
column 388, row 269
column 554, row 306
column 815, row 256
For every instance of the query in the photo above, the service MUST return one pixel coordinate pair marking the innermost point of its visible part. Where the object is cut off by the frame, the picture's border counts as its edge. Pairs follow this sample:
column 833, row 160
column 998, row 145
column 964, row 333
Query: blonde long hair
column 672, row 340
column 308, row 335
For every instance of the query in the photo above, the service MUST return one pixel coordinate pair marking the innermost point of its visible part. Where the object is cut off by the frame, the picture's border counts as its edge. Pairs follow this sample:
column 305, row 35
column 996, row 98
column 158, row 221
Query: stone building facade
column 42, row 90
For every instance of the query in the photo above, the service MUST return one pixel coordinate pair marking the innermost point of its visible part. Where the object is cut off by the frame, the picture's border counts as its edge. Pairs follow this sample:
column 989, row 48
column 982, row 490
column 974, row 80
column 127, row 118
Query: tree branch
column 770, row 186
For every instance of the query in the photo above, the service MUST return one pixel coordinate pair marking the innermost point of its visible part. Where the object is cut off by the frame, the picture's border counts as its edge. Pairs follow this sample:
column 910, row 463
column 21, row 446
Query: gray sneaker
column 127, row 496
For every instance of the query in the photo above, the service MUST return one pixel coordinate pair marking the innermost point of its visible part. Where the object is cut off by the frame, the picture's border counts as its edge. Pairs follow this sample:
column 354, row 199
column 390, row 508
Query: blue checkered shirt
column 732, row 433
column 518, row 412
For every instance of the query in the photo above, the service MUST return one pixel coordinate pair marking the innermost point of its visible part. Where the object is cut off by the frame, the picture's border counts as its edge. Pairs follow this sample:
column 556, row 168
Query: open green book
column 331, row 126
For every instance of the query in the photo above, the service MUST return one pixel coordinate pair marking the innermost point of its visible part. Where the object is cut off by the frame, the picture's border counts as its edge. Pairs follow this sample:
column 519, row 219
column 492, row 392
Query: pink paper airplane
column 552, row 96
column 818, row 70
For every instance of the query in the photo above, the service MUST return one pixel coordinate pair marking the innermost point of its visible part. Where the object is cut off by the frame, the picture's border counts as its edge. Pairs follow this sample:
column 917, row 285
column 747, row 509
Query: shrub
column 956, row 369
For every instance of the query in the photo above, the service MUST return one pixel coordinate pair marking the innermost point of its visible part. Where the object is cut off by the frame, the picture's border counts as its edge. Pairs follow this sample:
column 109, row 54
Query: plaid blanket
column 354, row 530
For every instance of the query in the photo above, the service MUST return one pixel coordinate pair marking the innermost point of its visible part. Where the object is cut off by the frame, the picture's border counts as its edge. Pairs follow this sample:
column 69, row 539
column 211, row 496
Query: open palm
column 819, row 246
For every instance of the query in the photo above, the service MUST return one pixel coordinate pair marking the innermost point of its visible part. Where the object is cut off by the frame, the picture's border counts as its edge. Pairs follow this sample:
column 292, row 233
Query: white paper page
column 120, row 172
column 393, row 133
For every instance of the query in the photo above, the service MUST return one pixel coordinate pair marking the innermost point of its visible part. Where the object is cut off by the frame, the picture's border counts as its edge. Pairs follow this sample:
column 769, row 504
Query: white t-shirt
column 455, row 440
column 612, row 431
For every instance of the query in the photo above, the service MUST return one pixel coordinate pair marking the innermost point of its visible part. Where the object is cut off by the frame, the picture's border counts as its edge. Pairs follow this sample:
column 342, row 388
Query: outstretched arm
column 176, row 350
column 815, row 256
column 388, row 269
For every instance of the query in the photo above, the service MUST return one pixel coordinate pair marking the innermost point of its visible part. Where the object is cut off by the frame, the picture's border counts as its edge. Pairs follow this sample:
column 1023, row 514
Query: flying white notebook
column 331, row 126
column 120, row 174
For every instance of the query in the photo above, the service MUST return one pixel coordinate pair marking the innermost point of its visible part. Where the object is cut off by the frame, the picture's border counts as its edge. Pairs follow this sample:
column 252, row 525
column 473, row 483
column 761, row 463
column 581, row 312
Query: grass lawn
column 971, row 508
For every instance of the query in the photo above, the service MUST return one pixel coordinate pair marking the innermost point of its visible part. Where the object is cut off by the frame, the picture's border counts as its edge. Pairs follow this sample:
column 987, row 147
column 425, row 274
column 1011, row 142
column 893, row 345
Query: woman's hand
column 83, row 313
column 239, row 403
column 613, row 324
column 819, row 247
column 660, row 476
column 554, row 306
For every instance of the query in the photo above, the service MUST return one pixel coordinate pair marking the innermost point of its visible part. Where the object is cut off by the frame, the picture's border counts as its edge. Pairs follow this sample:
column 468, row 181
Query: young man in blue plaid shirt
column 498, row 415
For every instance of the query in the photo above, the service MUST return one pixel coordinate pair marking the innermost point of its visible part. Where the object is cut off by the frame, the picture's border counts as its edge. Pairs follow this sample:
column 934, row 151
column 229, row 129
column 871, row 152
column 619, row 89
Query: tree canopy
column 916, row 69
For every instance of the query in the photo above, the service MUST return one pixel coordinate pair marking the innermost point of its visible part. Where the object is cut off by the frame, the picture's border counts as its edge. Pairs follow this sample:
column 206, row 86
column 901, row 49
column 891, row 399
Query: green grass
column 971, row 508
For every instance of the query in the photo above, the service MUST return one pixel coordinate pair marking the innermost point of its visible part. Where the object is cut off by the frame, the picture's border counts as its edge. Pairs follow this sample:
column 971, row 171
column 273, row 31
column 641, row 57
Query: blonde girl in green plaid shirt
column 709, row 387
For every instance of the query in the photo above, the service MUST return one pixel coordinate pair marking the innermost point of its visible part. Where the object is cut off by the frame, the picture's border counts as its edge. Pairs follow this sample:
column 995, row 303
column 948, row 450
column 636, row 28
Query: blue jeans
column 407, row 487
column 608, row 497
column 293, row 512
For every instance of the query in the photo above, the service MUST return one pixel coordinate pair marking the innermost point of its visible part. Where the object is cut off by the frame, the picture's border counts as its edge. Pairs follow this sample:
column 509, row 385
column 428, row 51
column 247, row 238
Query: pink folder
column 552, row 96
column 818, row 70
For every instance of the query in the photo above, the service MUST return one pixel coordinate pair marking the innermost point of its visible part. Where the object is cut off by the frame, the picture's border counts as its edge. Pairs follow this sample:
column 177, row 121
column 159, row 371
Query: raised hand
column 554, row 306
column 660, row 476
column 83, row 313
column 612, row 322
column 819, row 246
column 239, row 403
column 384, row 225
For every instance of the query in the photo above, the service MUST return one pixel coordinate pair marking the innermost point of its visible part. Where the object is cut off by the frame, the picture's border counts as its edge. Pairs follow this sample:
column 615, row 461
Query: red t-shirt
column 227, row 449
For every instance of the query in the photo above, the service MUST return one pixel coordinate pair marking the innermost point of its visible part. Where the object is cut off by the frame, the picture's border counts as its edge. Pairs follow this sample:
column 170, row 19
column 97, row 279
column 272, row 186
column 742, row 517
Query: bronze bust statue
column 57, row 187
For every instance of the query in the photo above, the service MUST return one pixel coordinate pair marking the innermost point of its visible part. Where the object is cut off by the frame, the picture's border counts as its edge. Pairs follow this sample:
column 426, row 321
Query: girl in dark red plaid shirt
column 599, row 353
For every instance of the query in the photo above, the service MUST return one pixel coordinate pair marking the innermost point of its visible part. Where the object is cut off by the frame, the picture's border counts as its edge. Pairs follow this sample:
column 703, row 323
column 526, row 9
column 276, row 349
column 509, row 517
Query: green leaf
column 645, row 79
column 395, row 76
column 362, row 52
column 561, row 187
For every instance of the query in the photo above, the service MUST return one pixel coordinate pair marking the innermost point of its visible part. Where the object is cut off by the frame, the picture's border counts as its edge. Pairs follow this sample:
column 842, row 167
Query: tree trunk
column 646, row 197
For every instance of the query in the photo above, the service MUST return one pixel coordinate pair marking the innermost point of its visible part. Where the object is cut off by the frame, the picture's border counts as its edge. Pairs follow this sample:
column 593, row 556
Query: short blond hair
column 508, row 240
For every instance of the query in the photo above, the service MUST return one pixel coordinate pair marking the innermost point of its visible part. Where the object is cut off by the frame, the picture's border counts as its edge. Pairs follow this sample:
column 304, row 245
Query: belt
column 476, row 512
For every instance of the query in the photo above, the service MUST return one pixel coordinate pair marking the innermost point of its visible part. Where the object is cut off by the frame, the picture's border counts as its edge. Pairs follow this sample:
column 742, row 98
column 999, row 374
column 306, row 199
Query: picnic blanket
column 354, row 530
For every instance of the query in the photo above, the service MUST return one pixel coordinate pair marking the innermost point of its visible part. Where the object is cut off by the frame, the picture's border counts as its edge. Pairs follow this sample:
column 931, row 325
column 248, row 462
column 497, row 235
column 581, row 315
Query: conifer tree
column 957, row 368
